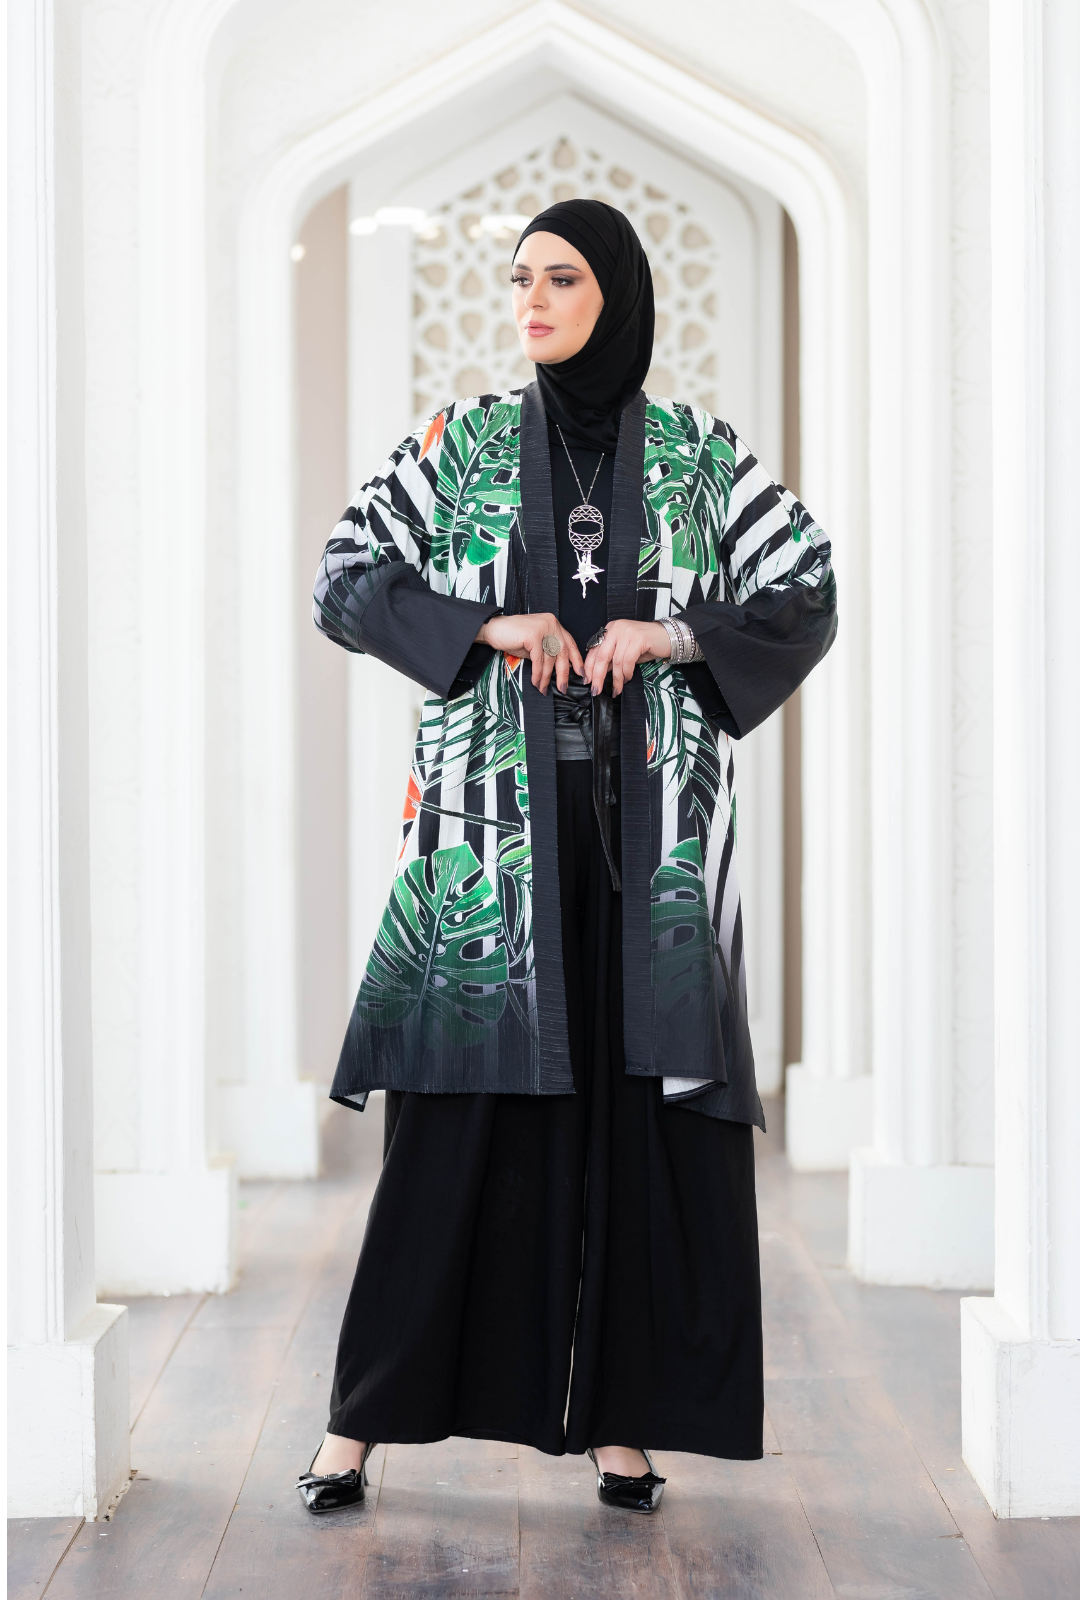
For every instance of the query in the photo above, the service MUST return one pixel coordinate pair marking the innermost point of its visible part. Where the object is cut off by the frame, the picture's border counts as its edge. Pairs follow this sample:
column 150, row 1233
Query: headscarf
column 586, row 393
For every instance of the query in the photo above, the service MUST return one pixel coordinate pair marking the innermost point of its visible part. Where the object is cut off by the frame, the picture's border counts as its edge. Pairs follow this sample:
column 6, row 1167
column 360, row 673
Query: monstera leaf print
column 679, row 740
column 681, row 932
column 515, row 892
column 678, row 496
column 478, row 735
column 397, row 518
column 478, row 488
column 429, row 951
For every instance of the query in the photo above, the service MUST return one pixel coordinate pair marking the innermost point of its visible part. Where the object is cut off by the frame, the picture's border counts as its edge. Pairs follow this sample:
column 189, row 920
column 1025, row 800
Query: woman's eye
column 564, row 283
column 518, row 281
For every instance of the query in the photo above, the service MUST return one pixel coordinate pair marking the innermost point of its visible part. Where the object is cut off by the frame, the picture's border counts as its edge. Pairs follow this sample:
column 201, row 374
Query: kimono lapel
column 538, row 712
column 624, row 551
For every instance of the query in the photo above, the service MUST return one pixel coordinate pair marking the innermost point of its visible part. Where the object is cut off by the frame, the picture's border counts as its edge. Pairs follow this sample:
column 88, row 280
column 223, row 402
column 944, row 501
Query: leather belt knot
column 596, row 719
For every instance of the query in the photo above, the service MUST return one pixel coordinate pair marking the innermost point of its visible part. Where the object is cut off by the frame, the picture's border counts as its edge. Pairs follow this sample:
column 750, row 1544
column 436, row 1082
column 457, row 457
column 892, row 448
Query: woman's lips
column 538, row 329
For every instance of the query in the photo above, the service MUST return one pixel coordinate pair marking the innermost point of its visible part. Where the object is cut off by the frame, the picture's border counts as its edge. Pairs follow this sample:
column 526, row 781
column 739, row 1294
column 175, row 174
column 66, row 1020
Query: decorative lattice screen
column 464, row 340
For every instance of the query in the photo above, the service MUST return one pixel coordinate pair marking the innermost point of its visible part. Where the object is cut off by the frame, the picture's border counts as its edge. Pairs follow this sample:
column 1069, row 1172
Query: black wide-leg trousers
column 568, row 1270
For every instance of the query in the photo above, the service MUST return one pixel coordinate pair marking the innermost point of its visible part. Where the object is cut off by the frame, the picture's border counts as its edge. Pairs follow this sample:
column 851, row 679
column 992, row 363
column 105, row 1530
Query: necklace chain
column 573, row 469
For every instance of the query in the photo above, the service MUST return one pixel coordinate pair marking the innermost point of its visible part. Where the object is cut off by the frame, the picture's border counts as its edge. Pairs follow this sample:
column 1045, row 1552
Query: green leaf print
column 681, row 933
column 679, row 739
column 515, row 892
column 477, row 735
column 479, row 488
column 678, row 493
column 440, row 908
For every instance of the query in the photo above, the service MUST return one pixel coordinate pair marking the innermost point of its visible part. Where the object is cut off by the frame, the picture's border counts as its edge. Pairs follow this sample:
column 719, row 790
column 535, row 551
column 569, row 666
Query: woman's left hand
column 624, row 644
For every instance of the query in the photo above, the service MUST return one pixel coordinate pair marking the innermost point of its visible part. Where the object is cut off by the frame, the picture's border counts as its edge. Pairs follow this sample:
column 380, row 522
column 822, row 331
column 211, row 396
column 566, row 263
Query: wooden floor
column 861, row 1492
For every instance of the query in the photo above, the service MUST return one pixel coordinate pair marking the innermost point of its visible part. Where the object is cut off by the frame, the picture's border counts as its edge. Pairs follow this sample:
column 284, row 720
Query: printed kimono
column 464, row 987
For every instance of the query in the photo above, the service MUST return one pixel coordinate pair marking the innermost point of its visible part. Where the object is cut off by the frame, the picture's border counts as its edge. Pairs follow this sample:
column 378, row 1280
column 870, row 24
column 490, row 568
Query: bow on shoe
column 333, row 1491
column 642, row 1494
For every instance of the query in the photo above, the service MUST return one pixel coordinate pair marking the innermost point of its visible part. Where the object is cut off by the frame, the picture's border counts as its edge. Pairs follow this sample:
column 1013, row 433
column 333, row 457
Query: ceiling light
column 401, row 217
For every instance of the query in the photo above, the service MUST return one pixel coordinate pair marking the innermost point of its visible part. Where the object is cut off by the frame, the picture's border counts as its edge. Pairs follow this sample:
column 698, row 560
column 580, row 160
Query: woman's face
column 556, row 298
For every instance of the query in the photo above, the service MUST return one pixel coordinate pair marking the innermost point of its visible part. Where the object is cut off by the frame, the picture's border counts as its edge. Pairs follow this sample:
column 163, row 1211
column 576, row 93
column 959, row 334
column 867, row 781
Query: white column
column 753, row 386
column 383, row 706
column 170, row 1222
column 916, row 1215
column 67, row 1357
column 1020, row 1350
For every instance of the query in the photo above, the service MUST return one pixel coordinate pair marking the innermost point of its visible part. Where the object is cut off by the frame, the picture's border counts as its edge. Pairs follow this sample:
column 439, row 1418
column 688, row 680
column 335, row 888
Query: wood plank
column 737, row 1529
column 213, row 1395
column 446, row 1522
column 155, row 1323
column 274, row 1549
column 573, row 1548
column 879, row 1521
column 161, row 1541
column 36, row 1546
column 283, row 1259
column 818, row 1202
column 192, row 1447
column 913, row 1336
column 197, row 1434
column 803, row 1329
column 863, row 1401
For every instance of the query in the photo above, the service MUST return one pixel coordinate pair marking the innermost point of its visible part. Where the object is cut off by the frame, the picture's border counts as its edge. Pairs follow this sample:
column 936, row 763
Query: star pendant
column 586, row 572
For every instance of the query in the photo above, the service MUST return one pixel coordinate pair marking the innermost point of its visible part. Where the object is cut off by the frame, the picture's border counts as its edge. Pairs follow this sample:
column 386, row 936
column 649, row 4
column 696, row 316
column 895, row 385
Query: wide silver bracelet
column 684, row 647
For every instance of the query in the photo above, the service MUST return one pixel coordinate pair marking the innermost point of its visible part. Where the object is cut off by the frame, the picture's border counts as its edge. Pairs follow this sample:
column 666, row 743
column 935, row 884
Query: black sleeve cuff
column 428, row 637
column 758, row 653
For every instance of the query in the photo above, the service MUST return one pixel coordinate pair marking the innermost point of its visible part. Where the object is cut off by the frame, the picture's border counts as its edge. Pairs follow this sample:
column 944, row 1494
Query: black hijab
column 586, row 394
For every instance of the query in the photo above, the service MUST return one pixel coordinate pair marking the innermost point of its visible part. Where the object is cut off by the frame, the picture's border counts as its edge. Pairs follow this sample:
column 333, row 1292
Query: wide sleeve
column 377, row 592
column 777, row 617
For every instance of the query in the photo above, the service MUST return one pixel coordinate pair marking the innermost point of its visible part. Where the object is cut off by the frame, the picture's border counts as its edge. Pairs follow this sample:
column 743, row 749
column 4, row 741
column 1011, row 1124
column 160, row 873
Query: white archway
column 549, row 45
column 896, row 378
column 165, row 1211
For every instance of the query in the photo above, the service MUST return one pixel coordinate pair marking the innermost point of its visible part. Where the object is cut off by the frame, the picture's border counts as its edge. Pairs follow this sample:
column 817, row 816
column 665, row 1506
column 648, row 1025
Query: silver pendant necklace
column 591, row 537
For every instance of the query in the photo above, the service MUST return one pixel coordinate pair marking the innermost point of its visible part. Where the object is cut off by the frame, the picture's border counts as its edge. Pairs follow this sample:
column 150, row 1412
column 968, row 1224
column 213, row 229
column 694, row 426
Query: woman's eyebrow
column 563, row 266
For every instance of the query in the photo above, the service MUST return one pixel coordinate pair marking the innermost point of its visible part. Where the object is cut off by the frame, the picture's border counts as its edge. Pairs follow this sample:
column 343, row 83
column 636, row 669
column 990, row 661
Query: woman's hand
column 624, row 644
column 524, row 636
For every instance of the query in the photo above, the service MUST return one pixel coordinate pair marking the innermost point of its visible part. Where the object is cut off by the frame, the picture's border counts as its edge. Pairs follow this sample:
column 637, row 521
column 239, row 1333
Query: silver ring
column 552, row 644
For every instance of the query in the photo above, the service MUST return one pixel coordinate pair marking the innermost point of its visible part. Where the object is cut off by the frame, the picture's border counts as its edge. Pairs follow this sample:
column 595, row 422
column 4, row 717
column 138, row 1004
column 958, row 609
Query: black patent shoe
column 629, row 1494
column 335, row 1490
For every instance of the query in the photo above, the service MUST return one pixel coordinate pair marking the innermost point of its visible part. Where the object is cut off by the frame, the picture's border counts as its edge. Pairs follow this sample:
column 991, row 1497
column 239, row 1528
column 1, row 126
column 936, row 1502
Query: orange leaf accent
column 434, row 433
column 511, row 663
column 648, row 753
column 412, row 799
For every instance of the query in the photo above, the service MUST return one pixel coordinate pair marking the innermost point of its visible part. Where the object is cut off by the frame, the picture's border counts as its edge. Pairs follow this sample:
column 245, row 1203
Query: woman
column 599, row 590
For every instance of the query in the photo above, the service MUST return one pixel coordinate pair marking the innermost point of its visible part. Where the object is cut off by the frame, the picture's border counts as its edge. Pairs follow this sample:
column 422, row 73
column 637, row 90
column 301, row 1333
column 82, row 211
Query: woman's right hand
column 524, row 636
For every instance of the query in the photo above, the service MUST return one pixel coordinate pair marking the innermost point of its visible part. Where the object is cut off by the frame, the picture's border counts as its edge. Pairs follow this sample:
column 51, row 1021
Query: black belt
column 590, row 723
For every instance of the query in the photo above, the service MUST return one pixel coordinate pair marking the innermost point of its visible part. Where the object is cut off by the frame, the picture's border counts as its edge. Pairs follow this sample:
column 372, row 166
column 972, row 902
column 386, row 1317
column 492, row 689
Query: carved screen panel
column 463, row 336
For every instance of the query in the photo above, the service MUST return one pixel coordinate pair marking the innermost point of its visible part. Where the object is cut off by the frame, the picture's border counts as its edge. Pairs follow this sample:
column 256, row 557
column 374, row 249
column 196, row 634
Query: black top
column 581, row 616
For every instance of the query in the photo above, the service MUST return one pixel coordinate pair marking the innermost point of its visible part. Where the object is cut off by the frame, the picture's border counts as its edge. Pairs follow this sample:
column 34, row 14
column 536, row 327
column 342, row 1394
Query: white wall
column 922, row 1191
column 210, row 129
column 1021, row 1348
column 247, row 93
column 199, row 986
column 321, row 288
column 67, row 1356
